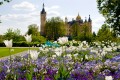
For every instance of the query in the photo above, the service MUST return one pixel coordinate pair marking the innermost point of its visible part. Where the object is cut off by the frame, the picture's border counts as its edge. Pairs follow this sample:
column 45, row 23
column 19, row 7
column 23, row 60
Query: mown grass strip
column 5, row 51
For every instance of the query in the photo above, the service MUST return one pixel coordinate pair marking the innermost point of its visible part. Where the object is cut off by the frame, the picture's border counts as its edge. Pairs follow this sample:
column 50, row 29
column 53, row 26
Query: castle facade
column 68, row 24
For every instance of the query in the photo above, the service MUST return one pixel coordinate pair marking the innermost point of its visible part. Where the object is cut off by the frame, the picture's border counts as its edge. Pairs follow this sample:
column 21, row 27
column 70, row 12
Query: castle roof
column 74, row 21
column 43, row 10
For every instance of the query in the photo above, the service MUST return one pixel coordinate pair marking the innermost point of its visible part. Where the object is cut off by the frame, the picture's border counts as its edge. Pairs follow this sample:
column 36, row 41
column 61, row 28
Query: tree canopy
column 13, row 34
column 75, row 29
column 104, row 34
column 33, row 29
column 54, row 28
column 110, row 9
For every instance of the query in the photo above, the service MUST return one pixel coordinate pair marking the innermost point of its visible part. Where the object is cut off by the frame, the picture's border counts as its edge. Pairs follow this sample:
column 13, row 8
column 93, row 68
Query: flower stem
column 10, row 60
column 29, row 54
column 10, row 55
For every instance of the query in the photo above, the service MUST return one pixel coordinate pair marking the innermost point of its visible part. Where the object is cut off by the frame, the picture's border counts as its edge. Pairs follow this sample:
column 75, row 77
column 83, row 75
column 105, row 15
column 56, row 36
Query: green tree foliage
column 75, row 29
column 3, row 1
column 111, row 11
column 104, row 34
column 13, row 34
column 55, row 28
column 85, row 34
column 94, row 36
column 33, row 30
column 1, row 38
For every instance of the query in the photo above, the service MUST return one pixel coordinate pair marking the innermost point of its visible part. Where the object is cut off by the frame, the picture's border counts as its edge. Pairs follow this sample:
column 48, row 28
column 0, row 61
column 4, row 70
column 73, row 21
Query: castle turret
column 66, row 26
column 78, row 17
column 43, row 21
column 85, row 20
column 66, row 20
column 89, row 19
column 90, row 24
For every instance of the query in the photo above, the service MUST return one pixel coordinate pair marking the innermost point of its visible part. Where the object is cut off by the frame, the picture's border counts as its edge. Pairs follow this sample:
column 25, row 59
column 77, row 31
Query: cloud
column 55, row 7
column 69, row 17
column 97, row 23
column 52, row 11
column 24, row 6
column 52, row 14
column 20, row 21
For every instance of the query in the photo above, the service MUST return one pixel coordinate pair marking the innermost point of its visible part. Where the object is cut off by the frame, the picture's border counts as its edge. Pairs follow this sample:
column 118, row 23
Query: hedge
column 22, row 44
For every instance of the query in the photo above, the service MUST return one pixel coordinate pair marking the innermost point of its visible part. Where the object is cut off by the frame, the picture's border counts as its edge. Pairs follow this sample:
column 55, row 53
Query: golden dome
column 78, row 17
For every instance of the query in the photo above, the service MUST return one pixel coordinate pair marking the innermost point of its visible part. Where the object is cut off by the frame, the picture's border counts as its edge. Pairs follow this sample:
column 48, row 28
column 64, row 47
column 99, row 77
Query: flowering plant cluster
column 73, row 61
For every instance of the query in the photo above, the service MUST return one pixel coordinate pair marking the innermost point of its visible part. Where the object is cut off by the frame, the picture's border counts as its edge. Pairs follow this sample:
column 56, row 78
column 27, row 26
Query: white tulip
column 8, row 43
column 103, row 53
column 34, row 54
column 108, row 78
column 58, row 51
column 63, row 40
column 84, row 42
column 28, row 38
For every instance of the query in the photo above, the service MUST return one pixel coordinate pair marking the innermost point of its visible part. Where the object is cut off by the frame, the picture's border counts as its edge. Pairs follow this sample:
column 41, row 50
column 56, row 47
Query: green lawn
column 5, row 51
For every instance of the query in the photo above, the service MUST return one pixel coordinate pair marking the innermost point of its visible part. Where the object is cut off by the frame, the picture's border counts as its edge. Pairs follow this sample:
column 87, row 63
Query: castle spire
column 89, row 19
column 43, row 10
column 43, row 5
column 85, row 19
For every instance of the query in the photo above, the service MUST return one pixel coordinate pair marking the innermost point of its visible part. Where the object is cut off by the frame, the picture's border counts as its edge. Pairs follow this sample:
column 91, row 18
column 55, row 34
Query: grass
column 5, row 51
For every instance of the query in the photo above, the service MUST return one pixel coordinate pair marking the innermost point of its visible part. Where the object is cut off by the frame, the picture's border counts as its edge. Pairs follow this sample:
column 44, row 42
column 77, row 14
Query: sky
column 19, row 14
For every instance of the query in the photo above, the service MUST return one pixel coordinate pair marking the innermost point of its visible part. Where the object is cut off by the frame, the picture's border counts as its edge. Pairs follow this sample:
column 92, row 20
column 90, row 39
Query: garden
column 64, row 60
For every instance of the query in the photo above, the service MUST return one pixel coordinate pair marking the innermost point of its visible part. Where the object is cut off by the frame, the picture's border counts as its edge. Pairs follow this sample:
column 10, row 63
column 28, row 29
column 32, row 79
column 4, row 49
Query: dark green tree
column 54, row 28
column 75, row 30
column 85, row 34
column 111, row 11
column 33, row 29
column 94, row 36
column 104, row 34
column 1, row 38
column 13, row 34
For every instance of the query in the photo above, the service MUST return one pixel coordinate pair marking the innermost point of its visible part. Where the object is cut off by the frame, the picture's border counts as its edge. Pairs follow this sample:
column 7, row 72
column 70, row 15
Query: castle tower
column 90, row 24
column 43, row 21
column 66, row 26
column 78, row 17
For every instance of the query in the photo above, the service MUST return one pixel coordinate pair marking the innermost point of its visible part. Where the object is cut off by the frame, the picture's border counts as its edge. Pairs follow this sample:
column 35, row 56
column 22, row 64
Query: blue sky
column 18, row 14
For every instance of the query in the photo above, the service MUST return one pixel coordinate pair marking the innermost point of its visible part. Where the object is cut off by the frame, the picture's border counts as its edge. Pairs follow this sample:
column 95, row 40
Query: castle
column 68, row 24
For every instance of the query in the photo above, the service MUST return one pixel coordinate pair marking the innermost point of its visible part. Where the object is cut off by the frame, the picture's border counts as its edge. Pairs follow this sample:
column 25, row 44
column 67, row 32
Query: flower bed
column 73, row 60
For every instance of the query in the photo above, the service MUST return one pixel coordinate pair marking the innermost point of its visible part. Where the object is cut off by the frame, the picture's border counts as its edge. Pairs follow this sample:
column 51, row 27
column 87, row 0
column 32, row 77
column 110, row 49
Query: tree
column 54, row 28
column 111, row 11
column 75, row 29
column 104, row 34
column 1, row 2
column 33, row 29
column 85, row 34
column 13, row 34
column 1, row 38
column 94, row 36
